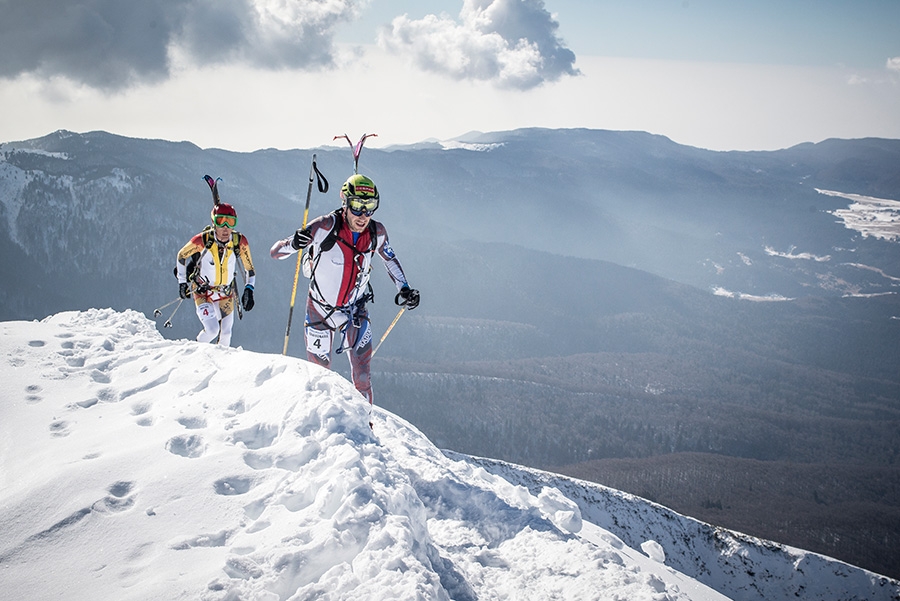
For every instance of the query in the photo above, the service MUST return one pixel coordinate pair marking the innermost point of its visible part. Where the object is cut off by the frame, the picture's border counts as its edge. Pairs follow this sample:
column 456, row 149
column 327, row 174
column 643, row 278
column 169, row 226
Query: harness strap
column 326, row 245
column 333, row 236
column 350, row 311
column 209, row 239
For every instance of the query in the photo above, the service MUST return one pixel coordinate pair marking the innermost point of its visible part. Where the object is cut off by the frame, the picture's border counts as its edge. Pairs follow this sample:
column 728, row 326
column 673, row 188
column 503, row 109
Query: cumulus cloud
column 893, row 64
column 512, row 43
column 265, row 33
column 112, row 44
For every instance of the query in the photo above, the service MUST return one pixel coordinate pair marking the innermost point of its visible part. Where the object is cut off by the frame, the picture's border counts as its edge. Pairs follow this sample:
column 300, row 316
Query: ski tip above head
column 214, row 187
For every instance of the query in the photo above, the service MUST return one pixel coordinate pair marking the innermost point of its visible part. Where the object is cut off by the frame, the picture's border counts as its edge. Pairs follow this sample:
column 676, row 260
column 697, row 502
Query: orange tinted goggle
column 229, row 221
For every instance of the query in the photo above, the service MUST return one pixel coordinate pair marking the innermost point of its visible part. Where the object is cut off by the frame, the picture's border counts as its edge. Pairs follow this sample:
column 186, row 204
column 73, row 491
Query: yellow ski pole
column 388, row 331
column 313, row 170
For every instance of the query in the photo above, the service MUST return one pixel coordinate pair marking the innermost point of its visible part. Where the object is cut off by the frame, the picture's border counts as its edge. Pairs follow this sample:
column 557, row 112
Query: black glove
column 410, row 297
column 301, row 239
column 247, row 298
column 183, row 290
column 202, row 285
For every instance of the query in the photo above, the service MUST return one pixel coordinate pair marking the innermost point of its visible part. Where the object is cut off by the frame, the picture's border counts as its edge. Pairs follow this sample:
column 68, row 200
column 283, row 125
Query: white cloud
column 893, row 64
column 111, row 45
column 511, row 43
column 269, row 34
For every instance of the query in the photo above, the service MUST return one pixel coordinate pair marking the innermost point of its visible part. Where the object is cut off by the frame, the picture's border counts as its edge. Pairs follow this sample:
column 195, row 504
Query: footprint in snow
column 242, row 567
column 107, row 395
column 235, row 485
column 118, row 499
column 33, row 396
column 204, row 383
column 187, row 446
column 268, row 373
column 258, row 436
column 192, row 423
column 141, row 408
column 120, row 489
column 100, row 377
column 254, row 509
column 235, row 409
column 59, row 428
column 217, row 539
column 257, row 461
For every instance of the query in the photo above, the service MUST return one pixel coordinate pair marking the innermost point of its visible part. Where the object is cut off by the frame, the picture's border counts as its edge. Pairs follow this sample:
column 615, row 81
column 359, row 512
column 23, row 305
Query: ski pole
column 236, row 299
column 313, row 170
column 168, row 323
column 388, row 331
column 158, row 311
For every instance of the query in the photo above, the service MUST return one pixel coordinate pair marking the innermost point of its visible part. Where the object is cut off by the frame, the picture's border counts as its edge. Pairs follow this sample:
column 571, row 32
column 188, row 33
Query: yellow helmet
column 360, row 195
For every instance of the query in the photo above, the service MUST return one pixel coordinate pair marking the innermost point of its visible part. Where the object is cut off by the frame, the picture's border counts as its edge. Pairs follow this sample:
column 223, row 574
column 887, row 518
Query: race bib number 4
column 318, row 342
column 206, row 310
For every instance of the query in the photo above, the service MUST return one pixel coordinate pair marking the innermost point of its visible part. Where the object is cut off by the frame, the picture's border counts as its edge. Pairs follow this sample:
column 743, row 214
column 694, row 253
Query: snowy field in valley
column 876, row 217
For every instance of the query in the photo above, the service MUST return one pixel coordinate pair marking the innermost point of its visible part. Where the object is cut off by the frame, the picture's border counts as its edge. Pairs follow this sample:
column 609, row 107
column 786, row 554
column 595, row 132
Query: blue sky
column 250, row 74
column 787, row 32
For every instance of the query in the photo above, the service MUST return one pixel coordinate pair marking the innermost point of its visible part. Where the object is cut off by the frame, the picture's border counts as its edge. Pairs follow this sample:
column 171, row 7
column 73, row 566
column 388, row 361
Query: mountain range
column 590, row 300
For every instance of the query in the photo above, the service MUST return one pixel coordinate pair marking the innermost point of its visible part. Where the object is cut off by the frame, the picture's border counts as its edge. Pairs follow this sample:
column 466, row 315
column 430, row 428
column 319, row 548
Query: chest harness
column 204, row 288
column 352, row 310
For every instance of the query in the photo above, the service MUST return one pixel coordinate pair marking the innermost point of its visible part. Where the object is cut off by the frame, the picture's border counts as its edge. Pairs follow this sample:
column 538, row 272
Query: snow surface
column 719, row 291
column 134, row 467
column 790, row 254
column 870, row 216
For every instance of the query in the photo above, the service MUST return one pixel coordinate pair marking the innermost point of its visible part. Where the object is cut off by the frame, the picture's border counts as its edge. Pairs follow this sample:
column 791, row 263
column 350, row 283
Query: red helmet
column 224, row 215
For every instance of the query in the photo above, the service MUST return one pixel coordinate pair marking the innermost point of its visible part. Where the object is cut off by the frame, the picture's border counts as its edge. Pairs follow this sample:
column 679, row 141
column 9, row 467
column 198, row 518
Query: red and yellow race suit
column 213, row 267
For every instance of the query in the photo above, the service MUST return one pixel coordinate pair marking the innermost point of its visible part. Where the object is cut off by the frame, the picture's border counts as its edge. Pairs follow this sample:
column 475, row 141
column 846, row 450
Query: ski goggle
column 229, row 221
column 362, row 206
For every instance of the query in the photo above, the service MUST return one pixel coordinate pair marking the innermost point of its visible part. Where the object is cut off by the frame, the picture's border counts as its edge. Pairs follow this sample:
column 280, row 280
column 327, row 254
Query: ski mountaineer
column 342, row 245
column 206, row 267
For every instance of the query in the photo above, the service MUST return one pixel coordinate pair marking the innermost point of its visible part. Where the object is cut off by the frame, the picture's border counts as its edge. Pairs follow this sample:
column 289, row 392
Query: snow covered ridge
column 473, row 146
column 7, row 148
column 132, row 467
column 740, row 566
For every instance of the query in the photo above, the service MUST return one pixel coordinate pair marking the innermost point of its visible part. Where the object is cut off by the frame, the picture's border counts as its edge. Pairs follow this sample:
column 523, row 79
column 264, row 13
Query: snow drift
column 132, row 467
